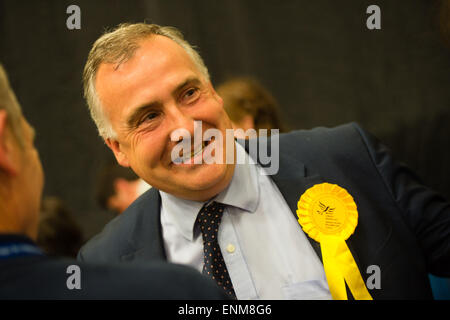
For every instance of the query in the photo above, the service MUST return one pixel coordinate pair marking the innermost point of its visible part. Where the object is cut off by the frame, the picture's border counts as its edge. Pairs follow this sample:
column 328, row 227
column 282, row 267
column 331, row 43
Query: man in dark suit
column 26, row 273
column 233, row 221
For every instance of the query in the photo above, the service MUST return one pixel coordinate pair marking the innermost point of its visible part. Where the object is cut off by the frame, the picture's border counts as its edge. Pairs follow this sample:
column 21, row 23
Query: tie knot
column 209, row 219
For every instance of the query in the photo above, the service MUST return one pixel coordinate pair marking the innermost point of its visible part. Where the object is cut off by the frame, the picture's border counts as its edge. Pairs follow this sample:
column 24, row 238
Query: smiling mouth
column 188, row 158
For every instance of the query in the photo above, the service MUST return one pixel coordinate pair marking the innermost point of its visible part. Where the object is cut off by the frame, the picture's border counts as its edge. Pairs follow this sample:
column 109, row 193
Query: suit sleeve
column 426, row 212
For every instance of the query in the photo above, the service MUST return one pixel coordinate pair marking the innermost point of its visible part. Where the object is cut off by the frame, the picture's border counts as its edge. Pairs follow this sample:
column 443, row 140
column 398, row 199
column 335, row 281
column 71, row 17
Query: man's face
column 147, row 98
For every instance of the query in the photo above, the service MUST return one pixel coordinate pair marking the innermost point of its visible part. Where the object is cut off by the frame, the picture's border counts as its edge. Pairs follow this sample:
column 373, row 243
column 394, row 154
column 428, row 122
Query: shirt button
column 230, row 248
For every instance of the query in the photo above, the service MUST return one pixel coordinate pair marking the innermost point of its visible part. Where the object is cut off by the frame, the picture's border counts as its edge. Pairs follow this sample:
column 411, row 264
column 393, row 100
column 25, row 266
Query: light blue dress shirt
column 266, row 253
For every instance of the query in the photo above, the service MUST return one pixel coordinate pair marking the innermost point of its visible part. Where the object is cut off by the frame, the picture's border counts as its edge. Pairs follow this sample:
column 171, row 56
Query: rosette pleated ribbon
column 328, row 214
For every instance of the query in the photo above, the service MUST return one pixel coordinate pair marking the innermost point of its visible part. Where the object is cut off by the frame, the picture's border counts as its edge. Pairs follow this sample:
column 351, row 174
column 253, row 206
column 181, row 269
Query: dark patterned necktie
column 209, row 219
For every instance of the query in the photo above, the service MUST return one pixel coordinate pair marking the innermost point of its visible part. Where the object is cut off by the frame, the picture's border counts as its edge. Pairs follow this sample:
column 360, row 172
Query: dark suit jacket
column 403, row 226
column 41, row 277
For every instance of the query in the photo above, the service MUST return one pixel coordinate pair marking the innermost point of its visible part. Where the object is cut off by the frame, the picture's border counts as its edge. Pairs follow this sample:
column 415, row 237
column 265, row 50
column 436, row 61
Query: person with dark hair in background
column 58, row 233
column 118, row 187
column 249, row 105
column 338, row 219
column 26, row 273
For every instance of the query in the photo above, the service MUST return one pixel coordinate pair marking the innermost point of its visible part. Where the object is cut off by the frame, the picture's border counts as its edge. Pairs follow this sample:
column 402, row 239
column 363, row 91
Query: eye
column 149, row 117
column 190, row 95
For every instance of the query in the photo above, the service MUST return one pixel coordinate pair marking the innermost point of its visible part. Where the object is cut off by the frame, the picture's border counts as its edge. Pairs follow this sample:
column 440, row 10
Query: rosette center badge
column 327, row 209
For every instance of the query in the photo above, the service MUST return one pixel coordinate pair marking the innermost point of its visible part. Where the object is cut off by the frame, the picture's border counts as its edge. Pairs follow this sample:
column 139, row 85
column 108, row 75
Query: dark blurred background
column 317, row 58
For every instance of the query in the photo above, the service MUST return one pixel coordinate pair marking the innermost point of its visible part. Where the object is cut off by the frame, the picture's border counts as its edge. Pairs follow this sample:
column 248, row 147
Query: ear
column 121, row 157
column 8, row 147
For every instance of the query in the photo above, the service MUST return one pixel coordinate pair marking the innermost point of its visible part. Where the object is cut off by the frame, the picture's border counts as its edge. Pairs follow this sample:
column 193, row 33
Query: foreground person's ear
column 121, row 157
column 8, row 164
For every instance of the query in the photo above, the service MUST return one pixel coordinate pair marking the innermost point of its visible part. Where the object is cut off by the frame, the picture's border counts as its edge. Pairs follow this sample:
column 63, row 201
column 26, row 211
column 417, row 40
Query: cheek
column 215, row 113
column 147, row 154
column 224, row 119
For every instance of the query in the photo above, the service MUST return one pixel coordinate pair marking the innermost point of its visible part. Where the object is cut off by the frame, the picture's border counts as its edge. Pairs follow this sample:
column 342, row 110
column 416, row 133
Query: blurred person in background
column 250, row 106
column 118, row 187
column 58, row 234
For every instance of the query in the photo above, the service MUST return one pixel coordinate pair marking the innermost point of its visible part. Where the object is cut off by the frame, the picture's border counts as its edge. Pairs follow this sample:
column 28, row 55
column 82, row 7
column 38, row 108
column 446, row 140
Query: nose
column 180, row 123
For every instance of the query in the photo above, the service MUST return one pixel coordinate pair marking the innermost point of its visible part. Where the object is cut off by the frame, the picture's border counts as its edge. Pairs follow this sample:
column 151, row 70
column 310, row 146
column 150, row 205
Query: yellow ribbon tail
column 340, row 268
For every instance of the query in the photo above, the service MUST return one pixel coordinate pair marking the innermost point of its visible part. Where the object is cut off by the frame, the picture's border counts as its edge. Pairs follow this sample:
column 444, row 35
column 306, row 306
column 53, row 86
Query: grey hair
column 118, row 46
column 8, row 102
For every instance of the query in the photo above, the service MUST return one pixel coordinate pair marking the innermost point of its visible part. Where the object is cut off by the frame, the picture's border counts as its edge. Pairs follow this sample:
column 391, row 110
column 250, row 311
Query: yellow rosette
column 328, row 214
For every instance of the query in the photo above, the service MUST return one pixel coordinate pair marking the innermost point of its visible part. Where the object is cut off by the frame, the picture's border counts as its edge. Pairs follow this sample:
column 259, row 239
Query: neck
column 14, row 221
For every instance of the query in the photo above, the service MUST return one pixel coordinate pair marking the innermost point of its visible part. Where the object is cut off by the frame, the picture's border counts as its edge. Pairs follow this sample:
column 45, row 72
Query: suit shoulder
column 146, row 280
column 343, row 138
column 154, row 280
column 100, row 247
column 150, row 280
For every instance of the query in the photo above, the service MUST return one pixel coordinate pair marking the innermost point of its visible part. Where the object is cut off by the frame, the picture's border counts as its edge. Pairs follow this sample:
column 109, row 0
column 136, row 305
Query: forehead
column 158, row 61
column 154, row 53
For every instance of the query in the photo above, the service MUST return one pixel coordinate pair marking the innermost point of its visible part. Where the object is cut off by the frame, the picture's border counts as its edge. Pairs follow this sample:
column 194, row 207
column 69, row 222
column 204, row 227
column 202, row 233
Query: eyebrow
column 137, row 113
column 133, row 119
column 188, row 81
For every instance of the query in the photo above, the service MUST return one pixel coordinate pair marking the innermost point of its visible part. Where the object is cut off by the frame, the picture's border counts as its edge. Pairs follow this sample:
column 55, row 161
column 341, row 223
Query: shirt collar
column 142, row 187
column 242, row 192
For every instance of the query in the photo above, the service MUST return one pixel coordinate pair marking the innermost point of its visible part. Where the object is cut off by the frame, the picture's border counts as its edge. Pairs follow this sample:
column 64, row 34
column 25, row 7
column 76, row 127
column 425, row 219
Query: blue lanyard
column 18, row 249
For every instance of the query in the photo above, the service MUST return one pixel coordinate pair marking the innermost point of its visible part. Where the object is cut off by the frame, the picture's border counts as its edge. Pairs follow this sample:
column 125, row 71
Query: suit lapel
column 292, row 182
column 147, row 241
